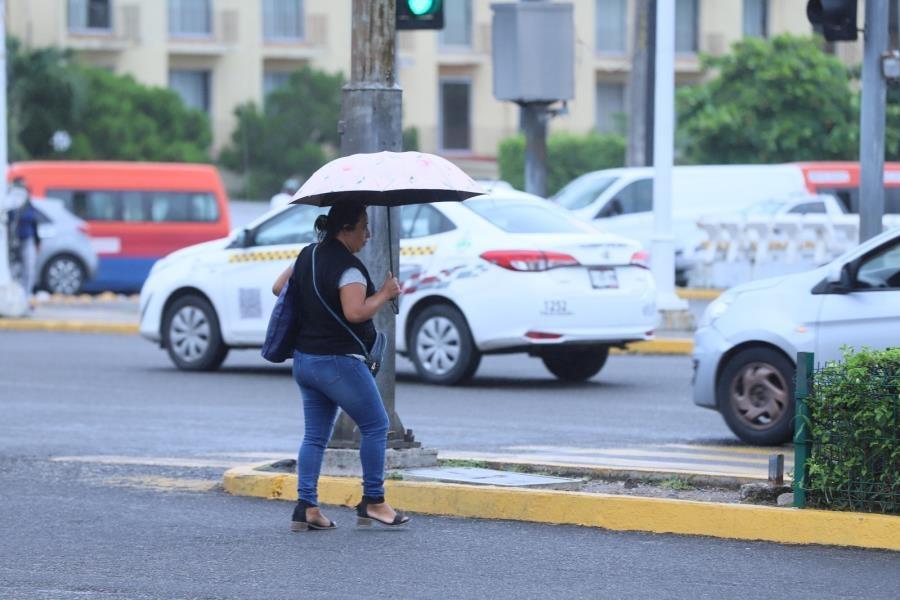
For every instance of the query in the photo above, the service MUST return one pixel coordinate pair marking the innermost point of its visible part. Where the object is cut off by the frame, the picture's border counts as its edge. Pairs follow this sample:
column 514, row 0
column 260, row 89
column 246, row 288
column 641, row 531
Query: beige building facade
column 217, row 54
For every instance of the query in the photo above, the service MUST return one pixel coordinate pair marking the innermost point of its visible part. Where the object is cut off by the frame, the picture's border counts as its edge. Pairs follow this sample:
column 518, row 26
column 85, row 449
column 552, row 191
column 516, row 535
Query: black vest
column 319, row 331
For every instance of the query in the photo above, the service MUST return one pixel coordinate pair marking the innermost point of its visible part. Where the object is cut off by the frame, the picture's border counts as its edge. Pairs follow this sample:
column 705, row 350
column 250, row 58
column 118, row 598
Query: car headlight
column 716, row 309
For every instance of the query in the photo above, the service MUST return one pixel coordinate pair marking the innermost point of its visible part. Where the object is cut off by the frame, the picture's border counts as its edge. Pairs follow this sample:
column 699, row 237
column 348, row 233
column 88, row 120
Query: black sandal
column 299, row 522
column 364, row 519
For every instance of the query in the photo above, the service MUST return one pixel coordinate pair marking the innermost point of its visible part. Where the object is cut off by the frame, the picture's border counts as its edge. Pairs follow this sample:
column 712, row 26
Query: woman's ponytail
column 321, row 227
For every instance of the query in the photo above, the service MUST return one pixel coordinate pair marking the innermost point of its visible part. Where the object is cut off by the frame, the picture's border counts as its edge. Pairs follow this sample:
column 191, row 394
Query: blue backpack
column 282, row 330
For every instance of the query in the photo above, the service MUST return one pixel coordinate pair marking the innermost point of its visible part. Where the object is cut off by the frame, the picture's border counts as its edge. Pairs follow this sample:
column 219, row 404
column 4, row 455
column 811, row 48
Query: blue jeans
column 329, row 382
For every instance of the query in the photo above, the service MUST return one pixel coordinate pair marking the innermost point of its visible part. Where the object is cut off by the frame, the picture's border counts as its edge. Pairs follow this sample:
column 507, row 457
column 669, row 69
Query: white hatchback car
column 746, row 345
column 501, row 273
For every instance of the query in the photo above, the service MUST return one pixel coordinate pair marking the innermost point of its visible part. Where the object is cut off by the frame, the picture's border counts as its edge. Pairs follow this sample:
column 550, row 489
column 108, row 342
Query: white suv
column 746, row 346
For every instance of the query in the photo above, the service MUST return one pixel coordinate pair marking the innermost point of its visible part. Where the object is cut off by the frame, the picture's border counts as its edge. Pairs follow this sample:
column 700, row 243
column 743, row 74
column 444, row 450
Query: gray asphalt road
column 124, row 391
column 76, row 528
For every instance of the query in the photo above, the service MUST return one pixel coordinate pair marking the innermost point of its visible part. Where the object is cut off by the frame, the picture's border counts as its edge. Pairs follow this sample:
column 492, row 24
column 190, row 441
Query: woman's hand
column 391, row 287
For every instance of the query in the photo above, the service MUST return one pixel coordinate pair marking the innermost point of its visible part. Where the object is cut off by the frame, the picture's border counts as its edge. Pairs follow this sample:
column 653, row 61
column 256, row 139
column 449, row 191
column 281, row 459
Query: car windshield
column 519, row 217
column 582, row 191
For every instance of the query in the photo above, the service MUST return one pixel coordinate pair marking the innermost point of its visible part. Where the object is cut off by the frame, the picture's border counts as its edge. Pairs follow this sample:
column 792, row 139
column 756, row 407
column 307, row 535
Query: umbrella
column 388, row 179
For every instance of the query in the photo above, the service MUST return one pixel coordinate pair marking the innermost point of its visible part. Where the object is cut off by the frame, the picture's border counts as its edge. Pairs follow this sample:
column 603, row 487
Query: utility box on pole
column 534, row 66
column 534, row 52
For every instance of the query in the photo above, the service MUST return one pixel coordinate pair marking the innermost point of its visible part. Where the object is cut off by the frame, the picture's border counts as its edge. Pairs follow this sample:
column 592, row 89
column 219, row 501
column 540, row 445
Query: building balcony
column 224, row 36
column 312, row 44
column 123, row 33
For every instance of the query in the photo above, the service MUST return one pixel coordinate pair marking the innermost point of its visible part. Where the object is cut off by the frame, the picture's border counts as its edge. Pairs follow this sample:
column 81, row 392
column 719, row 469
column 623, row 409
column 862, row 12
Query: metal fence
column 847, row 436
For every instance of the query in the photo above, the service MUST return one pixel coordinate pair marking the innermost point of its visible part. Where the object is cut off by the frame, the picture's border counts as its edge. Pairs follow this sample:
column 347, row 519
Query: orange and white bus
column 841, row 180
column 136, row 212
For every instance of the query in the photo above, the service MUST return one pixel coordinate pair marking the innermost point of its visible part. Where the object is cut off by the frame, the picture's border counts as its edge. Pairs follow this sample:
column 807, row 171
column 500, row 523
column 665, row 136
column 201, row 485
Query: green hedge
column 568, row 156
column 854, row 412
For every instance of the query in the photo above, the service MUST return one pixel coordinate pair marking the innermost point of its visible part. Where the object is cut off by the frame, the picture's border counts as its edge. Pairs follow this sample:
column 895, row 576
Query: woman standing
column 329, row 367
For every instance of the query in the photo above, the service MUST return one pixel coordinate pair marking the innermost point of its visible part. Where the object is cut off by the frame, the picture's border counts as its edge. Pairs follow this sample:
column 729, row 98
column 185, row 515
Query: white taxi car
column 502, row 273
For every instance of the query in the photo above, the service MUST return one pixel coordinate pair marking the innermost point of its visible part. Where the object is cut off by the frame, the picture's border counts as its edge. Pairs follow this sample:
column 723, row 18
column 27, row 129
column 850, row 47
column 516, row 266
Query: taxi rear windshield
column 139, row 206
column 524, row 218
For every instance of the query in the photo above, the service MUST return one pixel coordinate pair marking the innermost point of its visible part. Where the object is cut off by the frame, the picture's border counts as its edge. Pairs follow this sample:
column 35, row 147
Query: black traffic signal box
column 420, row 14
column 835, row 19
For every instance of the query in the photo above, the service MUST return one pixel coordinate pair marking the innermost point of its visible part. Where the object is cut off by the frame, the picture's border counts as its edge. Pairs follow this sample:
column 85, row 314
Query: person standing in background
column 27, row 243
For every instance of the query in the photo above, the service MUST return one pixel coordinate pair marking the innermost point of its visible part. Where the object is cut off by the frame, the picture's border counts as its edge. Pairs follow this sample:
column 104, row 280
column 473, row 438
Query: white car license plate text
column 604, row 278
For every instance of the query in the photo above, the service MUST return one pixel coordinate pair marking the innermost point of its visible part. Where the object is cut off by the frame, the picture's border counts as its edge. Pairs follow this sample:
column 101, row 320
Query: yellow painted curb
column 660, row 346
column 67, row 326
column 620, row 513
column 697, row 294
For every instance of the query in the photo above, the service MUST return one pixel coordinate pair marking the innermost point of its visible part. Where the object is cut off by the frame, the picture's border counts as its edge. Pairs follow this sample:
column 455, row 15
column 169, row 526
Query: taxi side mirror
column 242, row 239
column 842, row 279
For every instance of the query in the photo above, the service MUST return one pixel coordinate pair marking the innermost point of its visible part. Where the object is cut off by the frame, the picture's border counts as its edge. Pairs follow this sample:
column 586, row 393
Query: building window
column 756, row 18
column 686, row 26
column 610, row 107
column 192, row 87
column 273, row 80
column 85, row 15
column 610, row 26
column 283, row 20
column 455, row 110
column 457, row 29
column 190, row 17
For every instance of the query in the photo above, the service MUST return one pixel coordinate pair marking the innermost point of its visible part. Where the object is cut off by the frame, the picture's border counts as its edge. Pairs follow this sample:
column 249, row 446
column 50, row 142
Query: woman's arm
column 357, row 308
column 282, row 279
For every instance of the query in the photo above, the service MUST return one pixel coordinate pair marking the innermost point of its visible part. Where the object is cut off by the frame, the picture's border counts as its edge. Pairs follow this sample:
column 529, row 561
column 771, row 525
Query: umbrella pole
column 394, row 305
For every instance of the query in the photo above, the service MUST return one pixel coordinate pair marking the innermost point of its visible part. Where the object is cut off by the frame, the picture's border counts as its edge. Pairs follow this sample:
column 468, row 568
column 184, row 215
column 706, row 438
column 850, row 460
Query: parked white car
column 497, row 274
column 746, row 345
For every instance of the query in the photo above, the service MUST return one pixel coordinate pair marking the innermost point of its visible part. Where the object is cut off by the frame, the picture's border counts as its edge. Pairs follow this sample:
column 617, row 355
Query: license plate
column 604, row 278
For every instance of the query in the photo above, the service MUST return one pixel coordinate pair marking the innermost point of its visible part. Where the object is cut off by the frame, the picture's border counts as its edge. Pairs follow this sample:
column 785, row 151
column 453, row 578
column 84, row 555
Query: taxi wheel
column 755, row 395
column 576, row 364
column 441, row 346
column 192, row 336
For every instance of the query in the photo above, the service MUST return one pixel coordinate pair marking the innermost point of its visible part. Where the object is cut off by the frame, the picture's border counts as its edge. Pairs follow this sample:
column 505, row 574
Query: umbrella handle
column 395, row 307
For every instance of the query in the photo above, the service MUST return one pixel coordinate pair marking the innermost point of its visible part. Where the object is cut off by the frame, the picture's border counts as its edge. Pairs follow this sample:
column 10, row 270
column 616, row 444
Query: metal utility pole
column 536, row 116
column 12, row 296
column 662, row 251
column 641, row 86
column 371, row 121
column 872, row 121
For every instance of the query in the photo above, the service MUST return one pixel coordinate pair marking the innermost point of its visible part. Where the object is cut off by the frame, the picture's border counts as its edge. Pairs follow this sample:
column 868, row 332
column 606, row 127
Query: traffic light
column 420, row 14
column 836, row 19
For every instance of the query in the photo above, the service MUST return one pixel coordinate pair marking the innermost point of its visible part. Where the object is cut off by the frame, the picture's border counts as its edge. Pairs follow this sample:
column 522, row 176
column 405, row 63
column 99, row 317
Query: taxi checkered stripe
column 263, row 256
column 417, row 250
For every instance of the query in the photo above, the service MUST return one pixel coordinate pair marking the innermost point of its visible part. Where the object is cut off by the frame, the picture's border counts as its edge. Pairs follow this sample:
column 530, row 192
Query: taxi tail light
column 641, row 259
column 529, row 260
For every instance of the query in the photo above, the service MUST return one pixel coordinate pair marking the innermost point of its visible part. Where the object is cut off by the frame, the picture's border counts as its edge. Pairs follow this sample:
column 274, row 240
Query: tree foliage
column 295, row 134
column 776, row 100
column 106, row 116
column 568, row 156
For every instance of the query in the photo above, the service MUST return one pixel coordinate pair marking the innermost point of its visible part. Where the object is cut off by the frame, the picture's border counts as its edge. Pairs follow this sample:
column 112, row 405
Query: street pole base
column 395, row 440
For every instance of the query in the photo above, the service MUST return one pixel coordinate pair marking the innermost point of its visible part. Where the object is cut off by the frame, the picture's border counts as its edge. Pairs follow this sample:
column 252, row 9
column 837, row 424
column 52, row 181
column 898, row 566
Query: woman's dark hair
column 345, row 215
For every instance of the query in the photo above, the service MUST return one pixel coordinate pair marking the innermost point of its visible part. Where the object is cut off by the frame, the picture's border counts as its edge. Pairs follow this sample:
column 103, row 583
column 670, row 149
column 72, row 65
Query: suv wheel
column 63, row 274
column 576, row 364
column 191, row 335
column 755, row 395
column 441, row 346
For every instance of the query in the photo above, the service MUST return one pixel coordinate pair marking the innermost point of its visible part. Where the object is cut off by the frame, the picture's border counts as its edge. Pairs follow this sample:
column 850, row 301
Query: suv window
column 881, row 270
column 583, row 191
column 293, row 226
column 636, row 197
column 419, row 220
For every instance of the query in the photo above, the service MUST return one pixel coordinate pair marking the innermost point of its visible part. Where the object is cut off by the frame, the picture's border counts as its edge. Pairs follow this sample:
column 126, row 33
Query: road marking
column 166, row 484
column 152, row 461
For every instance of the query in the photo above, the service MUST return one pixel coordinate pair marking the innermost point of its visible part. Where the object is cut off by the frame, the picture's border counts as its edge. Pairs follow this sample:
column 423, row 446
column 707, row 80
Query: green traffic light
column 421, row 7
